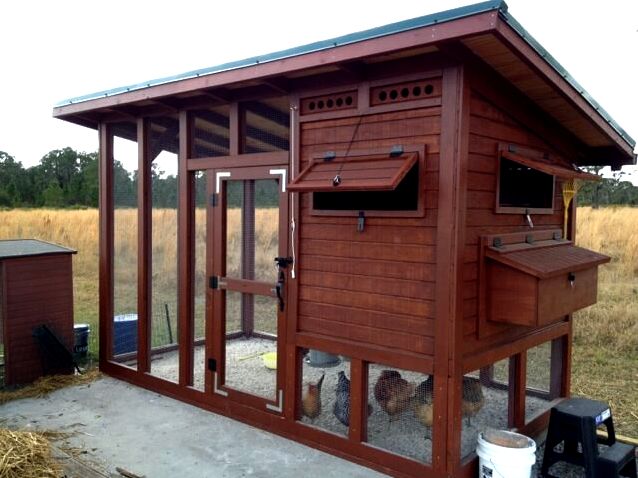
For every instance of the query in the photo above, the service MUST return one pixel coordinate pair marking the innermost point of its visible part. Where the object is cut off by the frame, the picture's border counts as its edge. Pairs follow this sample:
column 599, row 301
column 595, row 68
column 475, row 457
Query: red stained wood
column 28, row 300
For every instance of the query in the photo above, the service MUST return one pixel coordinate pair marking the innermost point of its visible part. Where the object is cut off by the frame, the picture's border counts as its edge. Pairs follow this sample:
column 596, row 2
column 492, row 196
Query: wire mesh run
column 484, row 403
column 251, row 363
column 267, row 125
column 125, row 240
column 401, row 411
column 325, row 391
column 211, row 132
column 538, row 396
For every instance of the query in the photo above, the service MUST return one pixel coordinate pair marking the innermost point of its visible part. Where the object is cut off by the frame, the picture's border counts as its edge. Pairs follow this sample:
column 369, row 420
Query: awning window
column 555, row 169
column 545, row 262
column 376, row 172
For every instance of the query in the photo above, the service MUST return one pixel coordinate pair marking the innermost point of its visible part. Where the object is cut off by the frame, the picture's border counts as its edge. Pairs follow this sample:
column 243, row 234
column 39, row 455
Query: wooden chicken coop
column 36, row 288
column 397, row 202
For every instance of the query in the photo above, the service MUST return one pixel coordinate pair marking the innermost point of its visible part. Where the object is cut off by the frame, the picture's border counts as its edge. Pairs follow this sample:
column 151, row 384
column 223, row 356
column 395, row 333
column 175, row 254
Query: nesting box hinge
column 497, row 242
column 557, row 236
column 529, row 239
column 213, row 282
column 213, row 200
column 329, row 155
column 396, row 150
column 212, row 365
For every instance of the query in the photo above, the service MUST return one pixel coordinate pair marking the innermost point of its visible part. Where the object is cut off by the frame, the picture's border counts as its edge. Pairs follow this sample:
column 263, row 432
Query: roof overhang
column 486, row 29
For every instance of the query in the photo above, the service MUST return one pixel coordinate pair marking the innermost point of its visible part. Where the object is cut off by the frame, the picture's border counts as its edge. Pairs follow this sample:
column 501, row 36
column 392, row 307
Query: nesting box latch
column 497, row 242
column 361, row 221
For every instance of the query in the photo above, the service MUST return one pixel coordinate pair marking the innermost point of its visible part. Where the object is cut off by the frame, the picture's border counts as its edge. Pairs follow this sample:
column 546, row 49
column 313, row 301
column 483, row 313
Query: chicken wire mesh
column 484, row 403
column 400, row 411
column 248, row 368
column 325, row 391
column 163, row 137
column 266, row 125
column 125, row 240
column 210, row 132
column 538, row 397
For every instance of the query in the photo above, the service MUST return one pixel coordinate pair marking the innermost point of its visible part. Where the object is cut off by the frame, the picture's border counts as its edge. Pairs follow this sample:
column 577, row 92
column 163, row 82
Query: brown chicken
column 393, row 393
column 472, row 400
column 311, row 400
column 424, row 404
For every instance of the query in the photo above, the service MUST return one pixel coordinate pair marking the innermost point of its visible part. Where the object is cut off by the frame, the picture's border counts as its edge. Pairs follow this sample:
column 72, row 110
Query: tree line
column 67, row 178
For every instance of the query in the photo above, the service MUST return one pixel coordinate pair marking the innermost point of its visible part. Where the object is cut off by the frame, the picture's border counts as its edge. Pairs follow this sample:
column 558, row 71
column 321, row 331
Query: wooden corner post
column 449, row 270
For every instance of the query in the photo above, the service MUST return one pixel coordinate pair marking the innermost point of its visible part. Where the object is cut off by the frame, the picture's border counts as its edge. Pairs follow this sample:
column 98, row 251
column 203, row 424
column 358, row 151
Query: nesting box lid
column 548, row 261
column 14, row 248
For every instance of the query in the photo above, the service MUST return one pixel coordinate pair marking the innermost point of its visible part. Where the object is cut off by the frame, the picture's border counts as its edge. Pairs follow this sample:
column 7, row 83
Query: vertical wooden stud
column 144, row 247
column 186, row 252
column 106, row 244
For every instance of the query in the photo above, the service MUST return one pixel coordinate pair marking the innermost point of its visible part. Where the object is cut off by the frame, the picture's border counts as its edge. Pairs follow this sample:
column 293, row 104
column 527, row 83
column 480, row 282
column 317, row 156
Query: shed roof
column 14, row 248
column 485, row 29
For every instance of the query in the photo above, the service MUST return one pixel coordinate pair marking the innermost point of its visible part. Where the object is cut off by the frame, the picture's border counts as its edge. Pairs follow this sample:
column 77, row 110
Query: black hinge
column 212, row 365
column 213, row 282
column 329, row 155
column 213, row 199
column 396, row 151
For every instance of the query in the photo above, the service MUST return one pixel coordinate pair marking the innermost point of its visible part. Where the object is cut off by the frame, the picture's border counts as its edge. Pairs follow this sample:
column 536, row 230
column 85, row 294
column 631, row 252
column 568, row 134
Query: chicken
column 311, row 400
column 393, row 393
column 342, row 403
column 341, row 407
column 424, row 404
column 472, row 399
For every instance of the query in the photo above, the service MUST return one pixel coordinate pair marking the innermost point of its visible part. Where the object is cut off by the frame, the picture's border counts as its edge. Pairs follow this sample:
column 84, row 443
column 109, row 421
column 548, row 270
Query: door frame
column 217, row 180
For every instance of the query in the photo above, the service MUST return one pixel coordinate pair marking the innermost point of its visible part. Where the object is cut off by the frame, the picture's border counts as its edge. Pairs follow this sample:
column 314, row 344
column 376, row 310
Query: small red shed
column 36, row 288
column 372, row 248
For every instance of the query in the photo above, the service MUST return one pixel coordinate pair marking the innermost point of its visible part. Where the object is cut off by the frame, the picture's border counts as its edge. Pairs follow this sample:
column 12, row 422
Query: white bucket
column 497, row 461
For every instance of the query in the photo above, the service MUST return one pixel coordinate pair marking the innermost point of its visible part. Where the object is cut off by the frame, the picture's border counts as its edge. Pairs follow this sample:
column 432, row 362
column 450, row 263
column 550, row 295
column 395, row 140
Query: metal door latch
column 571, row 277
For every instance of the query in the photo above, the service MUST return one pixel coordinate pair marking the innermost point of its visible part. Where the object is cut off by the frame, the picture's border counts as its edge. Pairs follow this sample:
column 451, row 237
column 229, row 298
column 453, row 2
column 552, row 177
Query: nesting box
column 397, row 197
column 36, row 288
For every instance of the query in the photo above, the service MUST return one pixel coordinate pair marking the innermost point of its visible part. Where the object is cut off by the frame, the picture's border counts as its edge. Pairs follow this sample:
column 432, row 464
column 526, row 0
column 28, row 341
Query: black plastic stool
column 574, row 422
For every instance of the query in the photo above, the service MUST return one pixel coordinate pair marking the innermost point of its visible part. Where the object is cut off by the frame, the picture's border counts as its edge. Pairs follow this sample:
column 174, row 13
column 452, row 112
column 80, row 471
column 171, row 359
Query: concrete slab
column 117, row 424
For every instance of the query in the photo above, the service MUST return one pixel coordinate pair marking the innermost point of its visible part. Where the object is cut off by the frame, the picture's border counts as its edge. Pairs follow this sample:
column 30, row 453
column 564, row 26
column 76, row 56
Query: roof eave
column 330, row 55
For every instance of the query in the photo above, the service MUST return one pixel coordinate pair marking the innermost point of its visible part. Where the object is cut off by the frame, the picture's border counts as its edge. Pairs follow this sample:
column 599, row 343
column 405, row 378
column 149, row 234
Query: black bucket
column 81, row 345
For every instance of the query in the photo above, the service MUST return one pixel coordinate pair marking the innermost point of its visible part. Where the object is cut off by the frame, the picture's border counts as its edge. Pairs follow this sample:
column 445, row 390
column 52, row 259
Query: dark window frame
column 418, row 212
column 500, row 209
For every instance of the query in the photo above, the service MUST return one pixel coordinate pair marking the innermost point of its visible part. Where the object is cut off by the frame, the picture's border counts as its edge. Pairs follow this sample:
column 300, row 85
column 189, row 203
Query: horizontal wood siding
column 375, row 288
column 38, row 291
column 488, row 127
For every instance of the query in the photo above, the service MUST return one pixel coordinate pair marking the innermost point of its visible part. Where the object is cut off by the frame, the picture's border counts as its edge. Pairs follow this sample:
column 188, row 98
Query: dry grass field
column 605, row 355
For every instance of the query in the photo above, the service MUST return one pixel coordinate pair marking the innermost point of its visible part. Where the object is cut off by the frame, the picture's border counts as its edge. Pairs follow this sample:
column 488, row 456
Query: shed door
column 250, row 273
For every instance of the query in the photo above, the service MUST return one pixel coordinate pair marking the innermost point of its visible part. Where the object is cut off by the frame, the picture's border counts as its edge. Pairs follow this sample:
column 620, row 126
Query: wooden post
column 449, row 270
column 185, row 253
column 106, row 244
column 144, row 247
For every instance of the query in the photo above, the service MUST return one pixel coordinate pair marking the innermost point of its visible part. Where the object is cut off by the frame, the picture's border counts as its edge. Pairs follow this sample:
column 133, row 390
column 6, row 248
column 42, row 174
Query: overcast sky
column 51, row 51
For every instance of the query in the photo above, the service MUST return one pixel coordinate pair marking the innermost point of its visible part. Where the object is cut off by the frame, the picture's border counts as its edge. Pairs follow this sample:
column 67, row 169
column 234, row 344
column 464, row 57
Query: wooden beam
column 144, row 247
column 449, row 270
column 185, row 253
column 106, row 244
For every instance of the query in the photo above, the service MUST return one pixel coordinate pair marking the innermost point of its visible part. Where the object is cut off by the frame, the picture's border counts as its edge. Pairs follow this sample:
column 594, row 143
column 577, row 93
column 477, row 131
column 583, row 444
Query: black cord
column 337, row 179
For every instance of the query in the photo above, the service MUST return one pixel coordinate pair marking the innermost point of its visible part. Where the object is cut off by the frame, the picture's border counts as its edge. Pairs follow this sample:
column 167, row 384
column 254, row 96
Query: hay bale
column 45, row 385
column 26, row 455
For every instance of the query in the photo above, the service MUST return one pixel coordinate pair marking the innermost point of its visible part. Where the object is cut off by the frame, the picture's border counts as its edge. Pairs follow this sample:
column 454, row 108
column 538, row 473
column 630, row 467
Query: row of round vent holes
column 330, row 103
column 395, row 93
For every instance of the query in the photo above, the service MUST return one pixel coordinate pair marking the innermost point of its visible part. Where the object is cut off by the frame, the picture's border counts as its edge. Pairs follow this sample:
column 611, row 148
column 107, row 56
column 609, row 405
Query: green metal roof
column 393, row 28
column 14, row 248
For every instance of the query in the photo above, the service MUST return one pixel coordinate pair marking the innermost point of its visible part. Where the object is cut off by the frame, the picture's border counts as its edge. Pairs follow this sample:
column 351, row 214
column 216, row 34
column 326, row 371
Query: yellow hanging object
column 570, row 188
